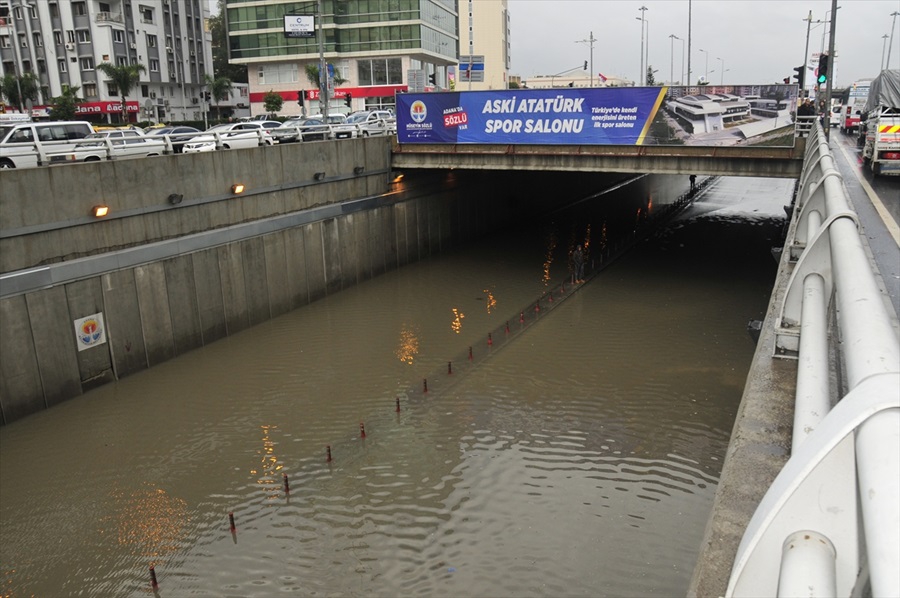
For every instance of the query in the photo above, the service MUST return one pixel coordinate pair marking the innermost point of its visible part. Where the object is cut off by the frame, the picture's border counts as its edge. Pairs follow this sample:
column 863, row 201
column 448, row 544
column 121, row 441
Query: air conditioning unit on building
column 133, row 46
column 152, row 95
column 193, row 53
column 169, row 49
column 70, row 47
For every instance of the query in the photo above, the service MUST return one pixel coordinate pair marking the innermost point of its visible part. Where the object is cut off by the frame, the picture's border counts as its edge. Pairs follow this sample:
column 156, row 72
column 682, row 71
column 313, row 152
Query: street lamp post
column 683, row 74
column 643, row 10
column 891, row 43
column 722, row 72
column 883, row 46
column 590, row 41
column 672, row 37
column 706, row 68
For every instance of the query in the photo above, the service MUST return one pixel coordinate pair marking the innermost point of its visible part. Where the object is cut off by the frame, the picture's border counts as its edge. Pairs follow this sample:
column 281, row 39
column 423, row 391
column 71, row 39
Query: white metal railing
column 830, row 523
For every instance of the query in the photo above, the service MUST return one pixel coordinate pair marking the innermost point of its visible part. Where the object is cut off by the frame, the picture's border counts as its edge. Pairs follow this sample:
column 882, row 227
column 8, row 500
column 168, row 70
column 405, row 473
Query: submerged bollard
column 328, row 451
column 521, row 316
column 287, row 486
column 537, row 306
column 231, row 522
column 490, row 340
column 562, row 288
column 362, row 430
column 551, row 296
column 424, row 384
column 507, row 327
column 398, row 404
column 153, row 583
column 449, row 367
column 470, row 353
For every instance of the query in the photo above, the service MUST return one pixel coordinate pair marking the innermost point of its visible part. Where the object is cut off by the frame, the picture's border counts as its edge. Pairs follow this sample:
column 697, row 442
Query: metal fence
column 830, row 523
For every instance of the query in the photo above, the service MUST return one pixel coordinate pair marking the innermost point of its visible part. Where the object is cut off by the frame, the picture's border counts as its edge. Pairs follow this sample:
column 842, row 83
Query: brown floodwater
column 576, row 455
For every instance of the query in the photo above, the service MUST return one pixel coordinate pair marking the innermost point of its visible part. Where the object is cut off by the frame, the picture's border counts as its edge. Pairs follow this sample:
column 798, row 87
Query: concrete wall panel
column 183, row 308
column 123, row 323
column 349, row 252
column 331, row 251
column 364, row 243
column 54, row 339
column 256, row 280
column 210, row 301
column 388, row 219
column 153, row 299
column 276, row 274
column 295, row 257
column 401, row 214
column 21, row 392
column 85, row 297
column 234, row 291
column 376, row 241
column 315, row 260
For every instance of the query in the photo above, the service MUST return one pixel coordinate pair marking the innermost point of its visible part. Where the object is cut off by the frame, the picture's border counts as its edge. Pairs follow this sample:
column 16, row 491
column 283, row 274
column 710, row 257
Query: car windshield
column 358, row 118
column 163, row 131
column 220, row 128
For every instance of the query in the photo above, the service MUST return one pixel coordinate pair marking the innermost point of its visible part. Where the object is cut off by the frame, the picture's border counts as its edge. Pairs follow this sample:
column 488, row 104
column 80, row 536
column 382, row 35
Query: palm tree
column 312, row 75
column 124, row 77
column 18, row 89
column 219, row 89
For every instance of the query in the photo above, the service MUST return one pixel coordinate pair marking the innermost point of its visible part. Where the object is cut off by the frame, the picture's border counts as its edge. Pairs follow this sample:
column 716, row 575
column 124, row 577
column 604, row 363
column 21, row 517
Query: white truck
column 881, row 151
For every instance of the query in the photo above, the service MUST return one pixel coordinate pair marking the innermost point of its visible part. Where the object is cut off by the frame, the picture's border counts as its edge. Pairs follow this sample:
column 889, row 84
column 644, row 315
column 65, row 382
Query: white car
column 365, row 124
column 115, row 144
column 232, row 136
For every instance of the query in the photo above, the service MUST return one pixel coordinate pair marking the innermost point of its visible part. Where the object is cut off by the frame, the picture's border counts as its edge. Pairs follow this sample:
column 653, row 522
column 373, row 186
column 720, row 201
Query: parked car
column 300, row 129
column 176, row 136
column 367, row 123
column 25, row 144
column 232, row 136
column 115, row 143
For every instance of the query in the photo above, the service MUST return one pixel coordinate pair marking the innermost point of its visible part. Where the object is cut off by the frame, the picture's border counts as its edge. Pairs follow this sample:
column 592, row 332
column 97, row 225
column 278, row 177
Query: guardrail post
column 807, row 566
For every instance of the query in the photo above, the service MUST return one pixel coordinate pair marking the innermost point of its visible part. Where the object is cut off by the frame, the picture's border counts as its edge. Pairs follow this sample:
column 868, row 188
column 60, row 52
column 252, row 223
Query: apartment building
column 484, row 46
column 371, row 45
column 62, row 41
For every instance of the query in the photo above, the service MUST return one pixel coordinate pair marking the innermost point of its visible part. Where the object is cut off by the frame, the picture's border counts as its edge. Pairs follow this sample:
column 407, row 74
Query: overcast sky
column 759, row 41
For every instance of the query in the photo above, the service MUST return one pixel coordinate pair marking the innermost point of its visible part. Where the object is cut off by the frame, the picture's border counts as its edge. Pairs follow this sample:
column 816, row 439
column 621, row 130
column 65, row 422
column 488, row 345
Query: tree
column 65, row 107
column 651, row 80
column 124, row 77
column 312, row 75
column 11, row 85
column 237, row 73
column 219, row 90
column 273, row 102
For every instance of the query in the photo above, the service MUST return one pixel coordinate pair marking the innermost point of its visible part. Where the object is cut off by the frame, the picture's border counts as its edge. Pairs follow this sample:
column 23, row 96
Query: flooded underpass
column 579, row 456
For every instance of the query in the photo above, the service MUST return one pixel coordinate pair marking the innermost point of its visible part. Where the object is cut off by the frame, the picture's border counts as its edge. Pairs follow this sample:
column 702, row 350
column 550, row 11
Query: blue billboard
column 720, row 115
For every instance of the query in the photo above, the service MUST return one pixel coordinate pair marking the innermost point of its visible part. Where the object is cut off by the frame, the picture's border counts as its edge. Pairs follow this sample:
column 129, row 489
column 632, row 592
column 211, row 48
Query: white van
column 30, row 144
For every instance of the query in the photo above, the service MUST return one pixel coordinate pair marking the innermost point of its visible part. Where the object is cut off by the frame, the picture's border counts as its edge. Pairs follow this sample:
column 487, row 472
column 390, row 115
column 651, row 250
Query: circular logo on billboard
column 418, row 111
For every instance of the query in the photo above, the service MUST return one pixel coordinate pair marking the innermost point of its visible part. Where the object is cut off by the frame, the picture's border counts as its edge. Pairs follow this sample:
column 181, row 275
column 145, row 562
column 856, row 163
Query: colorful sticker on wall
column 90, row 331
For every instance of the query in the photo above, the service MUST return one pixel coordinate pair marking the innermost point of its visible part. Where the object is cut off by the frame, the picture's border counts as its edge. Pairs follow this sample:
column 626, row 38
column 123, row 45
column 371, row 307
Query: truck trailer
column 881, row 151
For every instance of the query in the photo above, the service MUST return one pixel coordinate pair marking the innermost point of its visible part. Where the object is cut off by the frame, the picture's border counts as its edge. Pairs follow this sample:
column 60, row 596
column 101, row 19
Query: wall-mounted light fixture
column 100, row 211
column 358, row 170
column 319, row 176
column 237, row 188
column 396, row 176
column 175, row 198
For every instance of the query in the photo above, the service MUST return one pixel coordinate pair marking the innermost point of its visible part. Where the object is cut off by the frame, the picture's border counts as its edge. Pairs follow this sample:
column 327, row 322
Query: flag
column 602, row 78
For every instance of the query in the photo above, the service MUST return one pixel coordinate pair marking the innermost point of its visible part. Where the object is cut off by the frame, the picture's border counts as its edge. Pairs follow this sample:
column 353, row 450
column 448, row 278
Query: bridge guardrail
column 830, row 523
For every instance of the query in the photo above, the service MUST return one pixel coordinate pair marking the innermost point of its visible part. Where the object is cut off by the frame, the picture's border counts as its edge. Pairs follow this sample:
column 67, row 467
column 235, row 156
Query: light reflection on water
column 581, row 459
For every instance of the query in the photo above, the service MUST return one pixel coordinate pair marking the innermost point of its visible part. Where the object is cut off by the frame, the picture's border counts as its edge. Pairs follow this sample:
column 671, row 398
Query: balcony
column 109, row 17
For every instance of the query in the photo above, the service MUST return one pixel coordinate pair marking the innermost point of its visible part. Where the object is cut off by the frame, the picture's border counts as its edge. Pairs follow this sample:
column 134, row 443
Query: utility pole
column 830, row 68
column 323, row 73
column 806, row 49
column 891, row 43
column 688, row 82
column 590, row 41
column 643, row 9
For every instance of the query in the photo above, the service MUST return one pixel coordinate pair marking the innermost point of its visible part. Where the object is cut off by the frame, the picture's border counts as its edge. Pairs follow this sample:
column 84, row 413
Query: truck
column 881, row 121
column 852, row 105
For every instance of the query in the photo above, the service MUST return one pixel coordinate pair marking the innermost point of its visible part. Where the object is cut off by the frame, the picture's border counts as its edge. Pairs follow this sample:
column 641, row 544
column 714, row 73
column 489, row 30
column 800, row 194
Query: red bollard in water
column 507, row 327
column 537, row 306
column 562, row 288
column 362, row 430
column 551, row 296
column 470, row 353
column 490, row 340
column 287, row 486
column 398, row 404
column 328, row 451
column 153, row 583
column 231, row 521
column 424, row 384
column 449, row 367
column 521, row 316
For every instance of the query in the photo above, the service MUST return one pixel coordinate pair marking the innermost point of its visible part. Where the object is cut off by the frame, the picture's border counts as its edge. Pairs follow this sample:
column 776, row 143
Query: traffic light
column 801, row 74
column 300, row 97
column 823, row 69
column 585, row 65
column 432, row 79
column 348, row 99
column 206, row 96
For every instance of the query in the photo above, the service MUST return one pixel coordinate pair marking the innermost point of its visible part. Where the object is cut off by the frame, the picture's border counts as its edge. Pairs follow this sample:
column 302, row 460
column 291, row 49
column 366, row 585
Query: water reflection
column 408, row 345
column 456, row 320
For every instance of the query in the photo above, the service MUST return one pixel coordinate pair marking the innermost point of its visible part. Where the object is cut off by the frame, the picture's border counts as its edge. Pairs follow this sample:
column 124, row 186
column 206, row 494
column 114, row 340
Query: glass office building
column 372, row 45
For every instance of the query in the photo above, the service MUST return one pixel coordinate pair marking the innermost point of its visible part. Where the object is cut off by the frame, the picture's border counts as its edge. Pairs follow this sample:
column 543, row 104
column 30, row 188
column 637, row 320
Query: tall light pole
column 643, row 10
column 891, row 43
column 590, row 41
column 323, row 73
column 706, row 69
column 683, row 74
column 672, row 37
column 687, row 79
column 722, row 71
column 883, row 46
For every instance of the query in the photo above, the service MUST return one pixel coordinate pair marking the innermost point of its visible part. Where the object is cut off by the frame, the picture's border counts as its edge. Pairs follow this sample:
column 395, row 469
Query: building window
column 79, row 9
column 42, row 66
column 154, row 65
column 38, row 41
column 121, row 61
column 32, row 12
column 278, row 73
column 57, row 37
column 146, row 14
column 84, row 36
column 23, row 41
column 17, row 12
column 380, row 71
column 4, row 41
column 89, row 89
column 111, row 89
column 118, row 36
column 87, row 63
column 70, row 36
column 151, row 41
column 61, row 63
column 54, row 10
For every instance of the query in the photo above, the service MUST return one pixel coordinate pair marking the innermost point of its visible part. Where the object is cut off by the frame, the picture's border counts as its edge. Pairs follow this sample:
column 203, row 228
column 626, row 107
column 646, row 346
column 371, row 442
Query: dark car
column 177, row 135
column 301, row 129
